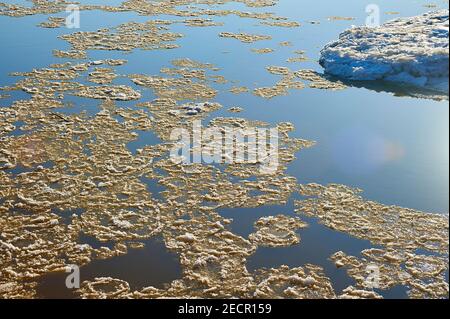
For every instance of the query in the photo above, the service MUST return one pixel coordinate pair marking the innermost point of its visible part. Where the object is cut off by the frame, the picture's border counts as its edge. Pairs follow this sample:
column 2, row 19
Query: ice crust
column 405, row 50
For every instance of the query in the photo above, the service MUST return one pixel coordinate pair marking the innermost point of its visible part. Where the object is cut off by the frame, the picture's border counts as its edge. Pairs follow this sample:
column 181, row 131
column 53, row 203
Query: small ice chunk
column 187, row 238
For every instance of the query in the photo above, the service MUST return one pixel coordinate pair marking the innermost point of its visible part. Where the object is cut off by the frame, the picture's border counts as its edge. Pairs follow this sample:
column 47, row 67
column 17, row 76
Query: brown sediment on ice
column 175, row 88
column 263, row 50
column 300, row 57
column 93, row 171
column 235, row 109
column 278, row 70
column 282, row 87
column 307, row 282
column 401, row 231
column 188, row 63
column 191, row 82
column 150, row 35
column 354, row 293
column 284, row 24
column 71, row 54
column 285, row 44
column 117, row 92
column 219, row 79
column 143, row 7
column 277, row 231
column 239, row 89
column 289, row 81
column 319, row 81
column 199, row 22
column 53, row 22
column 38, row 7
column 102, row 75
column 424, row 275
column 342, row 208
column 245, row 37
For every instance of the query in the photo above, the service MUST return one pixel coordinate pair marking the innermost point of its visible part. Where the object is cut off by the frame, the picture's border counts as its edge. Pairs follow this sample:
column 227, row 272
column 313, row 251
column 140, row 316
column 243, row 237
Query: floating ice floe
column 412, row 51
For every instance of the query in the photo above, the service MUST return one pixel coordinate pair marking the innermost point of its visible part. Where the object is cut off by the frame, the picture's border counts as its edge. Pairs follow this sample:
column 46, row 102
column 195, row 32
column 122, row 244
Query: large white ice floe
column 406, row 50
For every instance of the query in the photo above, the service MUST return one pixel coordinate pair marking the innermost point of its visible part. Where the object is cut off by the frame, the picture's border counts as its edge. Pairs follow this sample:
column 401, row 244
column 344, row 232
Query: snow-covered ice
column 406, row 50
